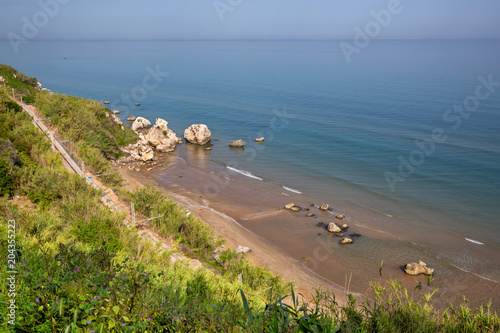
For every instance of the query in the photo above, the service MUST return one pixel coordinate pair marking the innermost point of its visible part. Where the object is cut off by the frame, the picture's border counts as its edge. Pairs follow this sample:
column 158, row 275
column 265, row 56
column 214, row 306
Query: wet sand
column 249, row 212
column 263, row 253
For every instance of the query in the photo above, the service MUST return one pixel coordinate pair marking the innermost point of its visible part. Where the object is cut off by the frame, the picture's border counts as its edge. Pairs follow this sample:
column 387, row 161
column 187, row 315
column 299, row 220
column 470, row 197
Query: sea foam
column 244, row 173
column 292, row 190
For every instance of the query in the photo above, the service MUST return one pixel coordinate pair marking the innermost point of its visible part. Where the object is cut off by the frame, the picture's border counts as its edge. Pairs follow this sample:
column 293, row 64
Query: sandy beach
column 297, row 247
column 263, row 253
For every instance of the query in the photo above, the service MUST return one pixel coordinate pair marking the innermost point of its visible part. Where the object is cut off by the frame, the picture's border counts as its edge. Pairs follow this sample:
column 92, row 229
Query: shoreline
column 263, row 253
column 247, row 212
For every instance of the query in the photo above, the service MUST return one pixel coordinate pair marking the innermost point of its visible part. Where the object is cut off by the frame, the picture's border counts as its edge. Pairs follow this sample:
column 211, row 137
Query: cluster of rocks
column 332, row 227
column 151, row 138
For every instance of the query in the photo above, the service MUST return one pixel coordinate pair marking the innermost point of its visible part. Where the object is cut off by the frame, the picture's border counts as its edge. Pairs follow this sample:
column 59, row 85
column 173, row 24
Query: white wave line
column 244, row 173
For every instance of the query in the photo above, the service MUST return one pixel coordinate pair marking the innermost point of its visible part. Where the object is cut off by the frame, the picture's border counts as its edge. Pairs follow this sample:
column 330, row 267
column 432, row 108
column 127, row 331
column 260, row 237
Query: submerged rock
column 346, row 241
column 198, row 134
column 414, row 268
column 237, row 144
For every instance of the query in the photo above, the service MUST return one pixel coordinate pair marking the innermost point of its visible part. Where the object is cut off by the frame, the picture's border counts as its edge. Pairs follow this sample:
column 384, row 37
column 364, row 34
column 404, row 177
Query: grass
column 80, row 269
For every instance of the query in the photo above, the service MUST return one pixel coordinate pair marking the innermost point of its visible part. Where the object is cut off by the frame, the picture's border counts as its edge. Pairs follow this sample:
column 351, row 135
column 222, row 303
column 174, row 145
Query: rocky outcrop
column 198, row 134
column 141, row 123
column 414, row 268
column 332, row 227
column 161, row 137
column 140, row 151
column 237, row 144
column 324, row 207
column 116, row 119
column 8, row 152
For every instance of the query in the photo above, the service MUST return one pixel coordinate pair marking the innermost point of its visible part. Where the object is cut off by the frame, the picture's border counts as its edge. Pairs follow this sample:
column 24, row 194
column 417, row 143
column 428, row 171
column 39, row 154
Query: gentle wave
column 292, row 190
column 244, row 173
column 474, row 241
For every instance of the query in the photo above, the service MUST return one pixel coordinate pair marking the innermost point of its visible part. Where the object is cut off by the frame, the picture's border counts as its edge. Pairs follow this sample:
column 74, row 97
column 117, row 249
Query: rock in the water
column 261, row 139
column 237, row 144
column 344, row 226
column 310, row 215
column 346, row 241
column 332, row 227
column 341, row 216
column 130, row 118
column 162, row 124
column 324, row 207
column 141, row 123
column 198, row 134
column 289, row 206
column 243, row 249
column 414, row 268
column 106, row 102
column 179, row 141
column 295, row 209
column 115, row 112
column 208, row 148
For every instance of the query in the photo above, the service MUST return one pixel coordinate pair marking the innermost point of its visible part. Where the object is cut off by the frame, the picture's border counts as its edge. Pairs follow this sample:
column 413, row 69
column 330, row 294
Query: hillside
column 79, row 266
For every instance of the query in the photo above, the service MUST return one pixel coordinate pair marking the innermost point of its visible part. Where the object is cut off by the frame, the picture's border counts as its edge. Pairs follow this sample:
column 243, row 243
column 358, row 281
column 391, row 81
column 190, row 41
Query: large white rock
column 198, row 134
column 161, row 137
column 162, row 124
column 141, row 123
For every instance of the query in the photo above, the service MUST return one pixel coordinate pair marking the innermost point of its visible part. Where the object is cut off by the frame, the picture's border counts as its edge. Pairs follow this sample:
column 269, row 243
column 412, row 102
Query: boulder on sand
column 332, row 227
column 289, row 206
column 198, row 134
column 324, row 207
column 414, row 268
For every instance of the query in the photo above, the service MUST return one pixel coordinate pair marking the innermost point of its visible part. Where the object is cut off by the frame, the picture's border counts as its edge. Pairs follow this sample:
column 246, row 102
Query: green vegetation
column 81, row 269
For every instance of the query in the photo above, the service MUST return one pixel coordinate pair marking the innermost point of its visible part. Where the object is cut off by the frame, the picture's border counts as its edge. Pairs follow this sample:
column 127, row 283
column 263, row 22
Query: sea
column 403, row 138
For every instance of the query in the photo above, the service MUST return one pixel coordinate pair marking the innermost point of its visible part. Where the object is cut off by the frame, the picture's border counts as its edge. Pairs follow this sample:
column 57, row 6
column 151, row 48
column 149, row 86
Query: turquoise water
column 346, row 126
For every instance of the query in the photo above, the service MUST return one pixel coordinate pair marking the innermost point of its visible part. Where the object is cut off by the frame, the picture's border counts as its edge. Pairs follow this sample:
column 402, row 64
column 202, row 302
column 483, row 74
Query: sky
column 249, row 19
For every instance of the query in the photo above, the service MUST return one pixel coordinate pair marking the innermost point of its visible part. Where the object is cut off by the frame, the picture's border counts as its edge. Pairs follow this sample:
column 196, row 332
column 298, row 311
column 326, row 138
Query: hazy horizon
column 249, row 20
